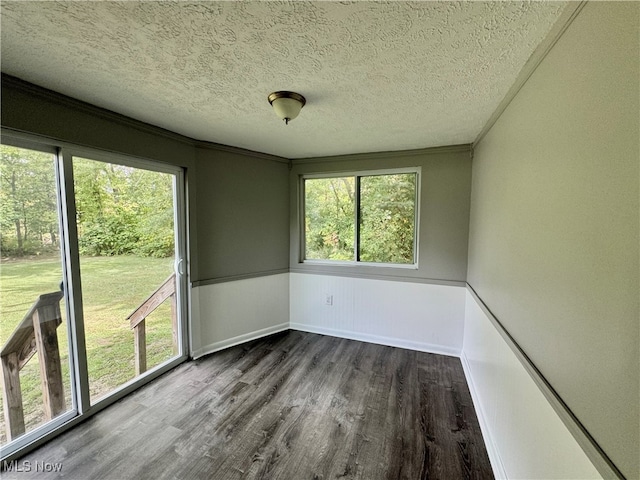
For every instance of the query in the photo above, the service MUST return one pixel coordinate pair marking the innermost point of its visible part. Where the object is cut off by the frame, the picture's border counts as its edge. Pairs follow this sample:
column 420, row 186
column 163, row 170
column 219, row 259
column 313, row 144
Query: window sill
column 347, row 264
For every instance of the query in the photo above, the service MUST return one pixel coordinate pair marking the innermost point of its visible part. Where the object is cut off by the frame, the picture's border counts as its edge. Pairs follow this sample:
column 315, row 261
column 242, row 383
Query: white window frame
column 359, row 174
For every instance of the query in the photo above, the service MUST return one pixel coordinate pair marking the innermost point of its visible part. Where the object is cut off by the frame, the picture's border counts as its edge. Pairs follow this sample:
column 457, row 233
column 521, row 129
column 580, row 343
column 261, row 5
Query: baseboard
column 247, row 337
column 494, row 456
column 380, row 340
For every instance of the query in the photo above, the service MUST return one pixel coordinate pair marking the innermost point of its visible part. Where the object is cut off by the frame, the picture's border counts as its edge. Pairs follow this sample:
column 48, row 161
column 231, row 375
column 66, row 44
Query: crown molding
column 70, row 102
column 79, row 105
column 385, row 155
column 219, row 147
column 567, row 17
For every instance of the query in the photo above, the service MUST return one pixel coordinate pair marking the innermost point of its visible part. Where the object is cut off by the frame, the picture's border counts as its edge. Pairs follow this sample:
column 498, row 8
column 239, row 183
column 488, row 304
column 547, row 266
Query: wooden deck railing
column 137, row 320
column 37, row 332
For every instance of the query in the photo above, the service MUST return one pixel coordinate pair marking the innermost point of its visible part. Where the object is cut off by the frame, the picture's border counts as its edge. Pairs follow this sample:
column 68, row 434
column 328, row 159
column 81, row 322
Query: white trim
column 28, row 142
column 353, row 263
column 377, row 339
column 492, row 450
column 247, row 337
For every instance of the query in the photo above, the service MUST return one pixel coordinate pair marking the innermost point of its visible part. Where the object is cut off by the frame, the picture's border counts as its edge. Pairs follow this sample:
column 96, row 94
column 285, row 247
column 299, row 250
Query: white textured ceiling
column 377, row 76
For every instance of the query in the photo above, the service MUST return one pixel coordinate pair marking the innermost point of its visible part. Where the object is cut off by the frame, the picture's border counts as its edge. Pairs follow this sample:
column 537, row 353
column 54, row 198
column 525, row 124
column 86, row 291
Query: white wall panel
column 417, row 316
column 525, row 437
column 234, row 312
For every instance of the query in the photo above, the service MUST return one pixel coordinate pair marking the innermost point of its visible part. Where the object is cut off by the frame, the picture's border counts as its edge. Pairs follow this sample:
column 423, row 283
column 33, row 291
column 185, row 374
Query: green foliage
column 387, row 218
column 120, row 210
column 28, row 202
column 123, row 210
column 329, row 218
column 112, row 235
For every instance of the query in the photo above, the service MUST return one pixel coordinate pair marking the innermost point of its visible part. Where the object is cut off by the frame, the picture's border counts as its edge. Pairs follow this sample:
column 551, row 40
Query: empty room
column 320, row 240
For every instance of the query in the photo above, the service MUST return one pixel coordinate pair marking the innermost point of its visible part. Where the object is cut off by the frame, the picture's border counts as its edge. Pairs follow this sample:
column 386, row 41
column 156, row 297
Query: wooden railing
column 37, row 332
column 137, row 320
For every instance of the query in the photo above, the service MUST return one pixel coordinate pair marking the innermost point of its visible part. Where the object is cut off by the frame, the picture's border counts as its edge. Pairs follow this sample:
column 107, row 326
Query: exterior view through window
column 367, row 218
column 91, row 283
column 36, row 384
column 126, row 243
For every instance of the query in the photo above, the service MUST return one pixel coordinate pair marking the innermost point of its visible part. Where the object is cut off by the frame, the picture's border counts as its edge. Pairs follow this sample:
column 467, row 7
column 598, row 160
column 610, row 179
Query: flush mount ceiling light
column 287, row 105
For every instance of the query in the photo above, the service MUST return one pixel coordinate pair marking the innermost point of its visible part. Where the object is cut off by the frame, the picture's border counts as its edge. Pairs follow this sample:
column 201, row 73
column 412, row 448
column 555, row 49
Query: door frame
column 70, row 258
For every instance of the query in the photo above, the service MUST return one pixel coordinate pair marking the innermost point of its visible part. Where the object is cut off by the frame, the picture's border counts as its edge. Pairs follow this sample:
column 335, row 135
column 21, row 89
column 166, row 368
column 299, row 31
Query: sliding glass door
column 127, row 243
column 34, row 352
column 92, row 284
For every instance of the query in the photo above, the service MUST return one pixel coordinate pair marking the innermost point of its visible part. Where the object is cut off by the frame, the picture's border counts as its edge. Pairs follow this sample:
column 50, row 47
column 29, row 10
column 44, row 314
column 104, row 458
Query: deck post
column 138, row 316
column 140, row 345
column 12, row 396
column 37, row 332
column 45, row 329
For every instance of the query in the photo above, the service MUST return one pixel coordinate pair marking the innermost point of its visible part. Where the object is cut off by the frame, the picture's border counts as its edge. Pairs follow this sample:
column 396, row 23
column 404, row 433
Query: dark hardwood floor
column 291, row 406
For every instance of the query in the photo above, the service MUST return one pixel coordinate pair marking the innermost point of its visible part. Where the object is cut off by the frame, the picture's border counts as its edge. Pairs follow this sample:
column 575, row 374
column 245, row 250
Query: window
column 367, row 217
column 80, row 233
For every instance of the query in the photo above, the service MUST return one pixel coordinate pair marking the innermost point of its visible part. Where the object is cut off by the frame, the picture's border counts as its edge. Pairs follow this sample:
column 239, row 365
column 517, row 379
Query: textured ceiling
column 377, row 76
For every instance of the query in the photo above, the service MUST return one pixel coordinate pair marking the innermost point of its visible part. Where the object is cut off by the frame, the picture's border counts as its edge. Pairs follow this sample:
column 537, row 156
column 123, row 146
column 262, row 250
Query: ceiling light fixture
column 287, row 105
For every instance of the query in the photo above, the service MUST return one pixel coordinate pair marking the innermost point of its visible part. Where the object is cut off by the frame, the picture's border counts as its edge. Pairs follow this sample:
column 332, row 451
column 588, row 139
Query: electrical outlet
column 328, row 299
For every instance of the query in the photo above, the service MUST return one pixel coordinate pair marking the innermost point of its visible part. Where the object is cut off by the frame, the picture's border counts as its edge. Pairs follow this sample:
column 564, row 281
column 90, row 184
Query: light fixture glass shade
column 287, row 105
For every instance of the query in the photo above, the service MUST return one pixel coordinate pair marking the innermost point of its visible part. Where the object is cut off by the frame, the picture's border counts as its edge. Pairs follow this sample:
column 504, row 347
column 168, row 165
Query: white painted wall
column 525, row 437
column 417, row 316
column 229, row 313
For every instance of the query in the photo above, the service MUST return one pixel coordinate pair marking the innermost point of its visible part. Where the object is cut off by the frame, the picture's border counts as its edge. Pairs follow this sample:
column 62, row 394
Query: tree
column 120, row 210
column 386, row 218
column 123, row 210
column 329, row 218
column 28, row 201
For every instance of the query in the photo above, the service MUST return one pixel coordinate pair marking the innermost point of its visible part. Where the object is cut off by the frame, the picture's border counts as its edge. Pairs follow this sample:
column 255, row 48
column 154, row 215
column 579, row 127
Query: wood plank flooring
column 291, row 406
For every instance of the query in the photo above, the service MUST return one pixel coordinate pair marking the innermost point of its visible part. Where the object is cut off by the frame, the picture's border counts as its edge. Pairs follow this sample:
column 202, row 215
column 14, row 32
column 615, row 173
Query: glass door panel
column 34, row 340
column 127, row 245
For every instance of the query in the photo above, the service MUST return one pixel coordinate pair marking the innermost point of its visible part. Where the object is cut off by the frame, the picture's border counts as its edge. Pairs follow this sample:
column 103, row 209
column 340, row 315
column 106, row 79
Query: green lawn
column 112, row 288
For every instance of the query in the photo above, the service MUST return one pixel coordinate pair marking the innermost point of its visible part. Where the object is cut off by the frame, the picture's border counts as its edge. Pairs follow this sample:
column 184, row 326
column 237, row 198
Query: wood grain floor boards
column 290, row 406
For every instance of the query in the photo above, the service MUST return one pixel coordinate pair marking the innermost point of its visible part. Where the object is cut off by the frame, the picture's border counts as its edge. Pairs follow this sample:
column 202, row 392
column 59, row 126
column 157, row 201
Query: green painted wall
column 554, row 235
column 32, row 109
column 243, row 214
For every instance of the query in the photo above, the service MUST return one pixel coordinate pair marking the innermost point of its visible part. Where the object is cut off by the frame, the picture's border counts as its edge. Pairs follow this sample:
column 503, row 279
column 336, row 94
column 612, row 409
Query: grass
column 112, row 287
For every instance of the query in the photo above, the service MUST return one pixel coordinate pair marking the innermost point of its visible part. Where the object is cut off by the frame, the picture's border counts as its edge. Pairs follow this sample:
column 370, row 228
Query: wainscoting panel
column 525, row 437
column 416, row 316
column 234, row 312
